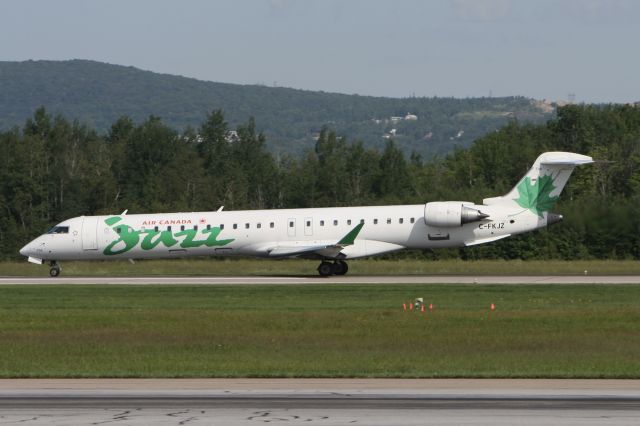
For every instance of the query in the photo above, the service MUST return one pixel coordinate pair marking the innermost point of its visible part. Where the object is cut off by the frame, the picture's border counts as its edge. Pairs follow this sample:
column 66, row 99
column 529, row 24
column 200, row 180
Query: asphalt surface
column 348, row 279
column 317, row 402
column 321, row 401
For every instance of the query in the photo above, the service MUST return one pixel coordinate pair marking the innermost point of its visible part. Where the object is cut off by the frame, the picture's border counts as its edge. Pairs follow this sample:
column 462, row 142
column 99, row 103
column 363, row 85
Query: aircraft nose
column 25, row 251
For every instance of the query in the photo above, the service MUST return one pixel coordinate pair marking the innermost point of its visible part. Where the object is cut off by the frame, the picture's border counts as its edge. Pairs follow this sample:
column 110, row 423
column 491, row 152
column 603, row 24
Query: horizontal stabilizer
column 574, row 160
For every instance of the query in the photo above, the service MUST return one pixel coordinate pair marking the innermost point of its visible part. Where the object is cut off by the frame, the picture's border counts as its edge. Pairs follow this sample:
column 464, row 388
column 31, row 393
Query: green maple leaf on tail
column 535, row 197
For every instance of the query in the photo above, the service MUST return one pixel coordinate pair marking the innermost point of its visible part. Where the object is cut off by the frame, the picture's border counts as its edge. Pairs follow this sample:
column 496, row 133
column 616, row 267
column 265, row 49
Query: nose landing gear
column 339, row 267
column 55, row 268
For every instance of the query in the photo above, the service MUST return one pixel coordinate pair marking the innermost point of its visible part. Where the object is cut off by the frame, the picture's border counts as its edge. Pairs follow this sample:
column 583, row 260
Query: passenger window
column 182, row 227
column 258, row 225
column 308, row 223
column 271, row 225
column 118, row 230
column 375, row 221
column 235, row 226
column 169, row 228
column 195, row 227
column 209, row 227
column 348, row 221
column 412, row 220
column 156, row 229
column 291, row 224
column 362, row 221
column 401, row 221
column 335, row 223
column 388, row 221
column 221, row 226
column 246, row 226
column 322, row 223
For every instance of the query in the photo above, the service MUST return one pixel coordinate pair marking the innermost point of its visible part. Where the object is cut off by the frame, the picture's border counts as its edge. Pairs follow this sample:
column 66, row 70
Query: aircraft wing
column 485, row 240
column 322, row 250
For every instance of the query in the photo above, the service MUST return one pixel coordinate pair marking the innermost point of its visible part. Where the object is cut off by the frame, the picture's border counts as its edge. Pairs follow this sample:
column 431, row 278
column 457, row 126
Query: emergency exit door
column 90, row 233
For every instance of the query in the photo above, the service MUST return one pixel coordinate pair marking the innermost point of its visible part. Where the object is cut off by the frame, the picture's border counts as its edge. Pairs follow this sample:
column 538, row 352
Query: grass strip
column 242, row 266
column 577, row 331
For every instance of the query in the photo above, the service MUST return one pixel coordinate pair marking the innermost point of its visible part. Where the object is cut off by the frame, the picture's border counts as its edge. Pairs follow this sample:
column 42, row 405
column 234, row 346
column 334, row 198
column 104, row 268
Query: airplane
column 332, row 235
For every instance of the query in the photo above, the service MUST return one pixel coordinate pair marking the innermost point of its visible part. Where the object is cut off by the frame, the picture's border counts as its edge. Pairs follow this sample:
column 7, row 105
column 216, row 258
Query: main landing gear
column 339, row 267
column 55, row 268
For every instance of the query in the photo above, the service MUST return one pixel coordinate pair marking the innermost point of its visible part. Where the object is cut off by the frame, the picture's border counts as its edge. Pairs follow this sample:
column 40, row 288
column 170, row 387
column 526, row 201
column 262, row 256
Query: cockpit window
column 59, row 230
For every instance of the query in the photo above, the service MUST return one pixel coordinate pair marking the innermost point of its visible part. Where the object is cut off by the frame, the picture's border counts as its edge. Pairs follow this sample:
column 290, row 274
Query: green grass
column 306, row 267
column 589, row 331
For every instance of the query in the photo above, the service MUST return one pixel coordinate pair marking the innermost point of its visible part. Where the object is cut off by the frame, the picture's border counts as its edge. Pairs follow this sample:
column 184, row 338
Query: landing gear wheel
column 55, row 268
column 339, row 267
column 325, row 269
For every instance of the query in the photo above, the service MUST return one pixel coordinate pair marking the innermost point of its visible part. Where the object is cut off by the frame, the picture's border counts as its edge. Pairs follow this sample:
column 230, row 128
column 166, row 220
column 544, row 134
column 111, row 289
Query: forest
column 53, row 169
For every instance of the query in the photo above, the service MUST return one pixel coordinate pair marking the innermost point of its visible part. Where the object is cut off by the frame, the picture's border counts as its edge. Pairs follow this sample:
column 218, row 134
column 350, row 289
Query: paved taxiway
column 319, row 401
column 348, row 279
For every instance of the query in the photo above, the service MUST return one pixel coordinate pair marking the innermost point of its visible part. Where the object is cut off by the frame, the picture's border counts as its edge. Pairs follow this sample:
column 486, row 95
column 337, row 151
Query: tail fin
column 540, row 188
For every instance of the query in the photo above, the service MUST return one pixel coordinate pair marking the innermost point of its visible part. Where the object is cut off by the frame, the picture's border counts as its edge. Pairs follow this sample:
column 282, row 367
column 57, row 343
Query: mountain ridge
column 97, row 93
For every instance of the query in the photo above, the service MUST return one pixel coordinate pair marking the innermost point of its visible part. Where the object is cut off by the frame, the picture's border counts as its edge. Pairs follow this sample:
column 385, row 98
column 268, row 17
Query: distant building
column 232, row 136
column 410, row 117
column 390, row 134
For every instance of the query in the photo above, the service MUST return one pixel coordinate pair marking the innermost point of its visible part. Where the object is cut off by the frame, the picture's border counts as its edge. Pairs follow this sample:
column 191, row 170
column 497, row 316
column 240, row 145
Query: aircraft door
column 90, row 233
column 308, row 226
column 291, row 227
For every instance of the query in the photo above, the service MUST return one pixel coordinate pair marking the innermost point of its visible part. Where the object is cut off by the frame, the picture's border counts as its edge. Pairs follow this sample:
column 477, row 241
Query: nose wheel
column 55, row 269
column 339, row 267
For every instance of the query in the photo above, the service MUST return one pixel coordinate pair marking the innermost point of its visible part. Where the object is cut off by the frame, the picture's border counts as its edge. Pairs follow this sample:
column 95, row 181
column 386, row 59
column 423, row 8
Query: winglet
column 348, row 239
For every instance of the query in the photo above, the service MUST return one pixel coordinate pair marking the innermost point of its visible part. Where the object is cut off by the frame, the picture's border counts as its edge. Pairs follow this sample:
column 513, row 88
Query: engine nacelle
column 451, row 213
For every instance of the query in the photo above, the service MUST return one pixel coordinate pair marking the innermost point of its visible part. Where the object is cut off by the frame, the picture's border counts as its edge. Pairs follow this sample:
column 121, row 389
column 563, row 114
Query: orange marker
column 493, row 307
column 422, row 308
column 431, row 306
column 404, row 306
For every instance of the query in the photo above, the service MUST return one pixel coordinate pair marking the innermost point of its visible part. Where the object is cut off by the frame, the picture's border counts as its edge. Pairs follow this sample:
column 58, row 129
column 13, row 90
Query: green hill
column 98, row 93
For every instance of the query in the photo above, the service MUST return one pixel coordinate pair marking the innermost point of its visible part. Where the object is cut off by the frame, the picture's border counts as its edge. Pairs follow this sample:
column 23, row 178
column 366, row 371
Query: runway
column 314, row 279
column 319, row 401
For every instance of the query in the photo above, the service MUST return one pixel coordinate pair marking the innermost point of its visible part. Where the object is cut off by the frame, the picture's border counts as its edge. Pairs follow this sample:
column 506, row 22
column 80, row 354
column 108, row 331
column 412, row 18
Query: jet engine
column 451, row 213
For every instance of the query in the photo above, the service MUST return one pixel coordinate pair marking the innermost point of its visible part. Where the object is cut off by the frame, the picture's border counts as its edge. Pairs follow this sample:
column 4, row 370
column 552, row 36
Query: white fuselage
column 259, row 232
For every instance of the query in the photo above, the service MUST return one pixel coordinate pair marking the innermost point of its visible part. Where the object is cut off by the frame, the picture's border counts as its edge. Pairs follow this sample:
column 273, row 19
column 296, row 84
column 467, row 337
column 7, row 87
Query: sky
column 587, row 50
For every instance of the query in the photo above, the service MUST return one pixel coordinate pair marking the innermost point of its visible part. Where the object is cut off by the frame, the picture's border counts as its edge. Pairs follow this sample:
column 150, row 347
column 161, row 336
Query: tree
column 394, row 183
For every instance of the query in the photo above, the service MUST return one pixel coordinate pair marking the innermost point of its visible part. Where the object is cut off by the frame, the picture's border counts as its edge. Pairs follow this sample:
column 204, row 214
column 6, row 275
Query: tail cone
column 472, row 215
column 553, row 218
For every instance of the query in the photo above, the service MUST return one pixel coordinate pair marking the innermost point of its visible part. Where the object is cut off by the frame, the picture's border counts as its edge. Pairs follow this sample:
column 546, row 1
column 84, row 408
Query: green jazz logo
column 130, row 238
column 535, row 197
